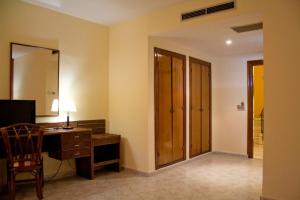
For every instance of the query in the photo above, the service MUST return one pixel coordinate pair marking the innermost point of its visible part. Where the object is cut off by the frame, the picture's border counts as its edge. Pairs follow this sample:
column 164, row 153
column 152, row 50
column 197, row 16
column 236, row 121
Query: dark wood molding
column 250, row 65
column 201, row 62
column 97, row 125
column 196, row 60
column 11, row 86
column 156, row 86
column 28, row 45
column 170, row 53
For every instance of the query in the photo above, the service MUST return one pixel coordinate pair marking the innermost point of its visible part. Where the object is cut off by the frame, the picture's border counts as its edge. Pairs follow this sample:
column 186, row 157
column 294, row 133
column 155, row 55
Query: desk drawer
column 76, row 153
column 82, row 140
column 76, row 141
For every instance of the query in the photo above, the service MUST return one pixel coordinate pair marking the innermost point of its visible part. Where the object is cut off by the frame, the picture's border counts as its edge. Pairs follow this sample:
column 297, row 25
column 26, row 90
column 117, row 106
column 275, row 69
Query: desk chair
column 23, row 145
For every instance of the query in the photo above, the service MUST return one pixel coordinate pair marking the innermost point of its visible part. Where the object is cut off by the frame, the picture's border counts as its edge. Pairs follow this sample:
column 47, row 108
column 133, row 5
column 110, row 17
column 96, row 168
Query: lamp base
column 67, row 127
column 68, row 123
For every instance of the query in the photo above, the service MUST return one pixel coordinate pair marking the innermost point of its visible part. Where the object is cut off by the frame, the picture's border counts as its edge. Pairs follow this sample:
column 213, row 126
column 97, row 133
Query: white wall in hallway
column 229, row 88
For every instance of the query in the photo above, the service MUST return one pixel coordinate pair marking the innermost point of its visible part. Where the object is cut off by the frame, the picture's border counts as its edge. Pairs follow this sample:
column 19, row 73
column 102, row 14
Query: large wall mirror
column 35, row 76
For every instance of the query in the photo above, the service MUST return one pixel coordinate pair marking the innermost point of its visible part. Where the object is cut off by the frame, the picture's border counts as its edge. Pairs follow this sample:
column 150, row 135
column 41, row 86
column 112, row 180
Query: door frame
column 201, row 62
column 156, row 86
column 250, row 65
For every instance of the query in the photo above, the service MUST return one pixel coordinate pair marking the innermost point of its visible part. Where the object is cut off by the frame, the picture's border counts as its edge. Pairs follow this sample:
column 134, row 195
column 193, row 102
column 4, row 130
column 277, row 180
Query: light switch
column 241, row 107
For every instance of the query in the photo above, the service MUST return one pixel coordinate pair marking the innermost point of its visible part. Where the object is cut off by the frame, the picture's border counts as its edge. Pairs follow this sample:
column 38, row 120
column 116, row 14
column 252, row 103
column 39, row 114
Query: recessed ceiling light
column 228, row 42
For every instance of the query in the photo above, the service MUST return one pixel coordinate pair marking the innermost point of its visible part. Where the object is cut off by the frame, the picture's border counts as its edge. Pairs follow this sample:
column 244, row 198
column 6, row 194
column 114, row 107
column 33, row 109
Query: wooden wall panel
column 169, row 107
column 178, row 99
column 164, row 107
column 195, row 109
column 205, row 109
column 200, row 109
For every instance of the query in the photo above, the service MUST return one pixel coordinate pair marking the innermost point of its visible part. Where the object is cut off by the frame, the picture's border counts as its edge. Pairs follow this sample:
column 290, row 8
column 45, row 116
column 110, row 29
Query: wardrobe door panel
column 164, row 110
column 178, row 105
column 205, row 109
column 195, row 109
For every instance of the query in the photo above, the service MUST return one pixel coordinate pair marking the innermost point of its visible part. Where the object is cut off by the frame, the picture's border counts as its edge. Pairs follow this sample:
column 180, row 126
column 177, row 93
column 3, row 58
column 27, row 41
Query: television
column 17, row 111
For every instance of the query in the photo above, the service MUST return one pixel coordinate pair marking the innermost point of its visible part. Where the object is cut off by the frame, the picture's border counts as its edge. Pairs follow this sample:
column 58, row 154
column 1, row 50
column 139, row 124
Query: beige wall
column 281, row 171
column 128, row 92
column 83, row 62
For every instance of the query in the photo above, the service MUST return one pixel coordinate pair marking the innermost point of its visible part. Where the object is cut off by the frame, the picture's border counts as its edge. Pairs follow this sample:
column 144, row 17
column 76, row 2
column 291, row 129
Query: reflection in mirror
column 34, row 76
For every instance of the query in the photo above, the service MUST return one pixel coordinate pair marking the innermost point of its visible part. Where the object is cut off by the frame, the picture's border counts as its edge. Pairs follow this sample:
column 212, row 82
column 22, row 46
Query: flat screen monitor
column 16, row 111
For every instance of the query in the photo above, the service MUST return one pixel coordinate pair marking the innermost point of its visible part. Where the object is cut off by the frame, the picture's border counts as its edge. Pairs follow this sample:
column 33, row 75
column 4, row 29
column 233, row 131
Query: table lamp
column 67, row 106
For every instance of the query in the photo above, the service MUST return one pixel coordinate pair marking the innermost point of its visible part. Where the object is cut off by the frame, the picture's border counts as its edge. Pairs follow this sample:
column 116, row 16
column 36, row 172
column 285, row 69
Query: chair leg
column 42, row 175
column 11, row 186
column 39, row 185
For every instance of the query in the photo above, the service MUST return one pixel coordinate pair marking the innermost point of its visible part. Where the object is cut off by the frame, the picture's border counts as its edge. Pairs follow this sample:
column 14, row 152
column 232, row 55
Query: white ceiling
column 106, row 12
column 211, row 37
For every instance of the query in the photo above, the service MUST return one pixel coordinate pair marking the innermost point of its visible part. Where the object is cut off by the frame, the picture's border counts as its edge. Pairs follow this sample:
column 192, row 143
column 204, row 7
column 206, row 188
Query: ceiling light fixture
column 228, row 42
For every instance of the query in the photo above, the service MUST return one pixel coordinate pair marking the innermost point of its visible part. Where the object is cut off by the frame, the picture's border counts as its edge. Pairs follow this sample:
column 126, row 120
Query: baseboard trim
column 230, row 154
column 157, row 171
column 265, row 198
column 160, row 170
column 138, row 172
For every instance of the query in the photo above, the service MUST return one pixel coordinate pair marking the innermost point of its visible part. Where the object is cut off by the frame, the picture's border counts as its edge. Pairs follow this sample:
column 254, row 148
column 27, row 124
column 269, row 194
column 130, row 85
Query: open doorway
column 255, row 109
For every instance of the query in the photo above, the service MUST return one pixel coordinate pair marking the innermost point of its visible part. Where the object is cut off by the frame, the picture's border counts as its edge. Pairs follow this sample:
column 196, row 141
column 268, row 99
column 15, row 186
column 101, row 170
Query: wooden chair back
column 23, row 143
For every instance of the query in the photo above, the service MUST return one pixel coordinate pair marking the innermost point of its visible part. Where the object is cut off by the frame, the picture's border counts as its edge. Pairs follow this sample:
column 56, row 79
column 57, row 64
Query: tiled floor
column 209, row 177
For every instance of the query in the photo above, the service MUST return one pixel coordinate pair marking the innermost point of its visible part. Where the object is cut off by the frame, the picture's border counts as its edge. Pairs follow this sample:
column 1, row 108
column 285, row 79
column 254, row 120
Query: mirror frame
column 12, row 73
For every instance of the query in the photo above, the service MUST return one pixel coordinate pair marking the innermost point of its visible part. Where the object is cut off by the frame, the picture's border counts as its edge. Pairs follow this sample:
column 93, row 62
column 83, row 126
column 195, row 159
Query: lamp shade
column 68, row 106
column 64, row 106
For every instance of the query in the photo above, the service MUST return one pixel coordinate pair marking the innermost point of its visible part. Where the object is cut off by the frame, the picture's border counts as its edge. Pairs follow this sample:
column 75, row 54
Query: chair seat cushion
column 24, row 163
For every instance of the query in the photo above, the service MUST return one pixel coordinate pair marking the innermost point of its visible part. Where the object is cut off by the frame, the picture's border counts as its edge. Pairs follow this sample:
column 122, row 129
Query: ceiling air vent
column 248, row 27
column 208, row 10
column 193, row 14
column 221, row 7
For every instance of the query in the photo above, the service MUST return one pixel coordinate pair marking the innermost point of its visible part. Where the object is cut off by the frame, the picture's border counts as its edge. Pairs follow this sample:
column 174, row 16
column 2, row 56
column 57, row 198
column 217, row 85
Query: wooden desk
column 106, row 152
column 90, row 151
column 63, row 144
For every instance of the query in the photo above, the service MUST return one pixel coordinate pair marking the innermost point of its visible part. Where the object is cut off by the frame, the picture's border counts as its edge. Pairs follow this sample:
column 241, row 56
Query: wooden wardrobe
column 169, row 107
column 200, row 106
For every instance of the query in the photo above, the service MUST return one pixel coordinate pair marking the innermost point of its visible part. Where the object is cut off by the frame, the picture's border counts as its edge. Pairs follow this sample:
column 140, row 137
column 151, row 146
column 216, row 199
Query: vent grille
column 208, row 10
column 218, row 8
column 248, row 27
column 193, row 14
